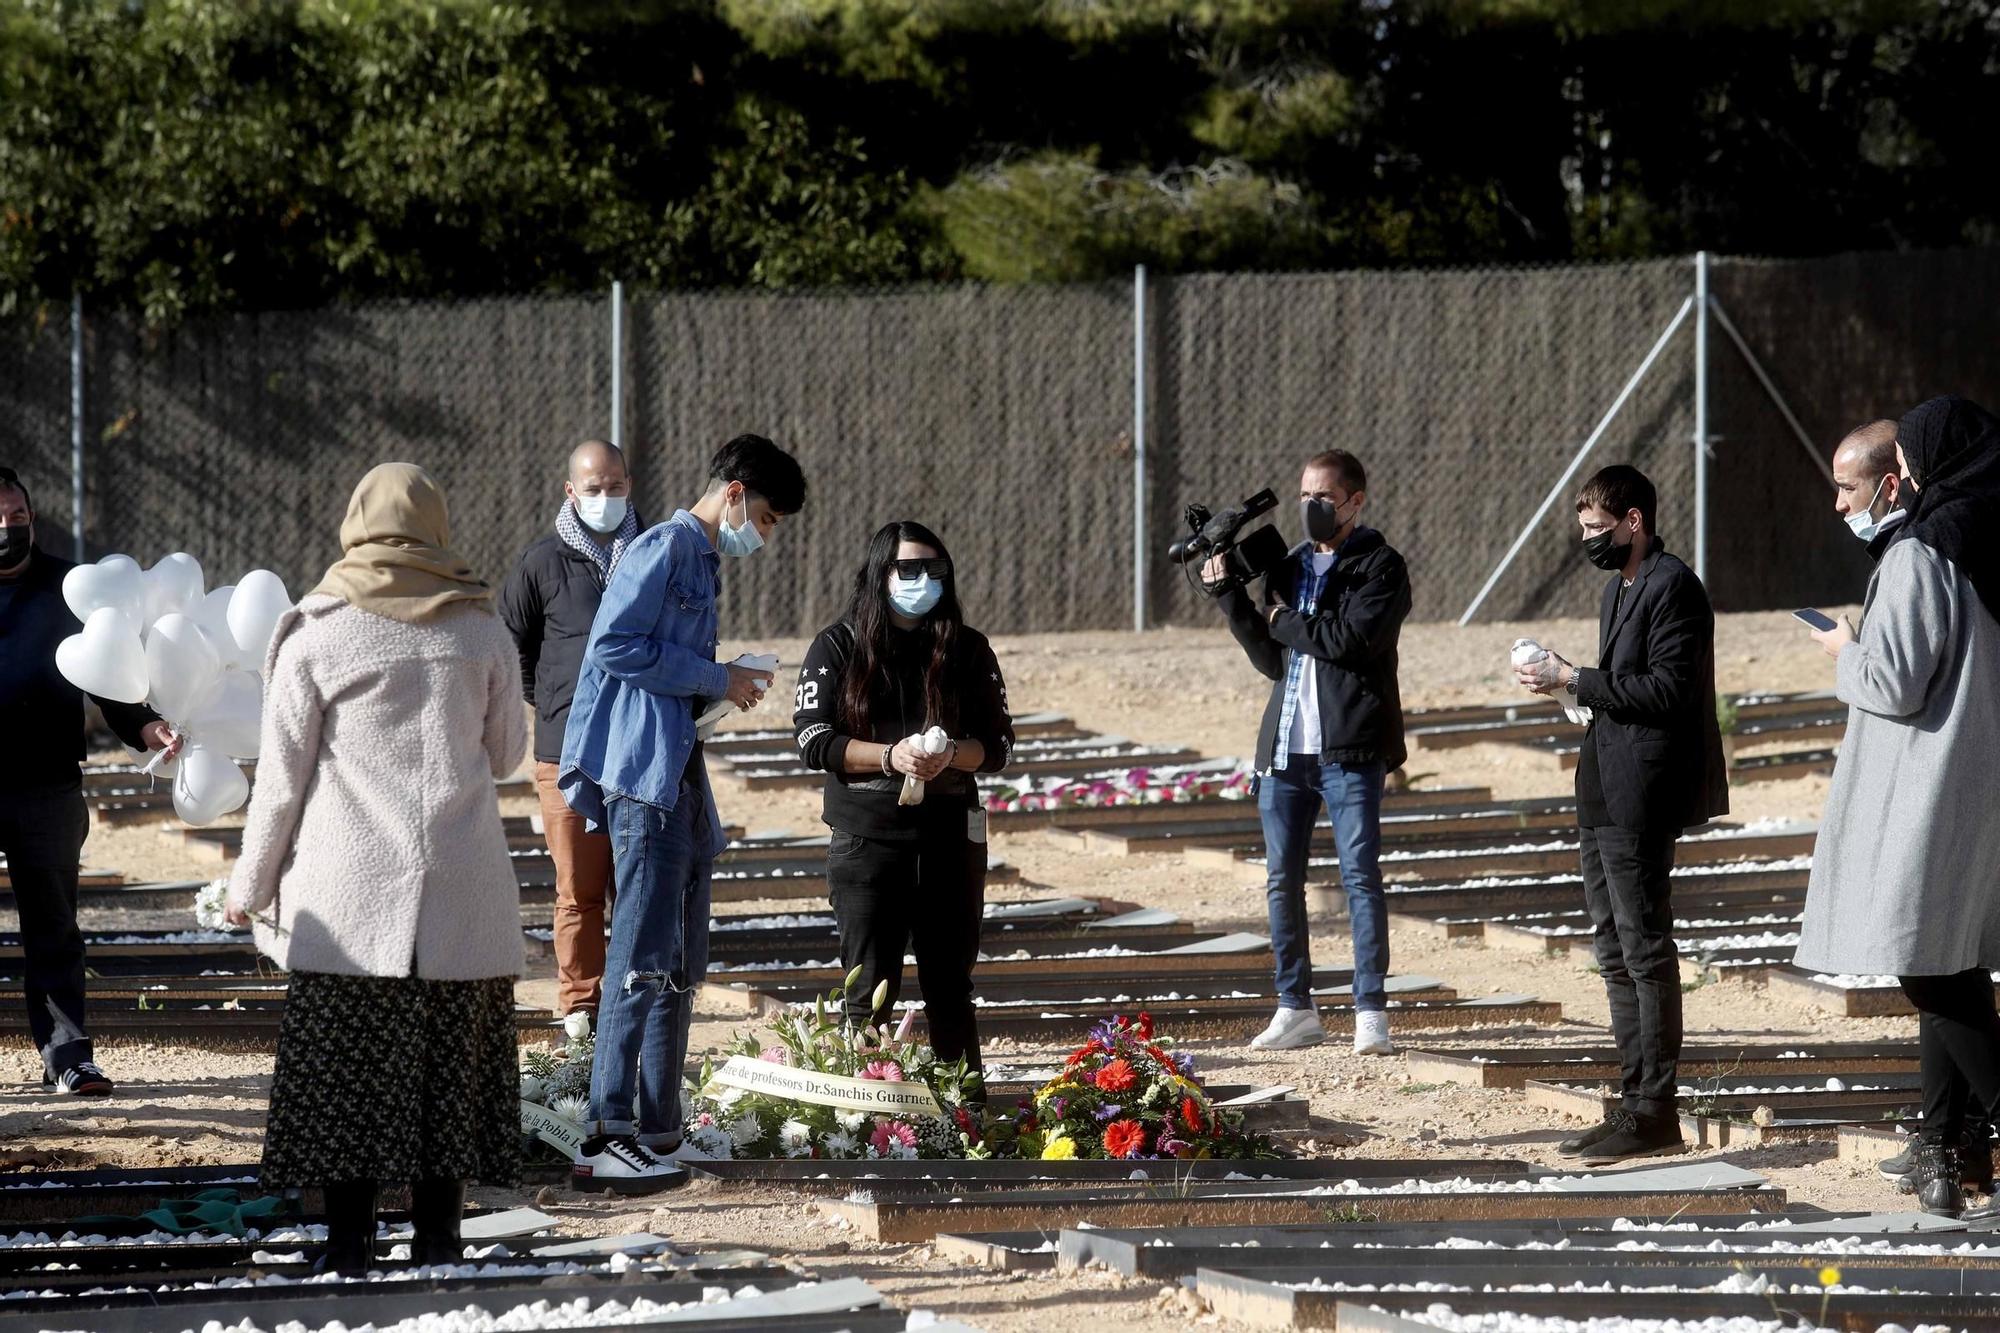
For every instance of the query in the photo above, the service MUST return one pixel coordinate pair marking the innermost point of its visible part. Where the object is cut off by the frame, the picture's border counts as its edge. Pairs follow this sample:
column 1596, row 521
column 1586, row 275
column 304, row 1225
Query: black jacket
column 864, row 804
column 1352, row 642
column 1658, row 747
column 548, row 603
column 41, row 713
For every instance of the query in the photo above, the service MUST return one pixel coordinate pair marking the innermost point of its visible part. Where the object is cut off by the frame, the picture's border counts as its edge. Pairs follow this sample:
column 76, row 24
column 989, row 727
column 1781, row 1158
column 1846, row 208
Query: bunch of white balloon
column 152, row 636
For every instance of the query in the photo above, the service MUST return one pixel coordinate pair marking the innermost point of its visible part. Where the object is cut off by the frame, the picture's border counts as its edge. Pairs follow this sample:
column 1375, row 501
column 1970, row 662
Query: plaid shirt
column 1305, row 598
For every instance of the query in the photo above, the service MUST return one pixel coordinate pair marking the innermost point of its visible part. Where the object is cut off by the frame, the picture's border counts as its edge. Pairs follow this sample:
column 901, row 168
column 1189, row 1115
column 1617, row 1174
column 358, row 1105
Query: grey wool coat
column 1906, row 873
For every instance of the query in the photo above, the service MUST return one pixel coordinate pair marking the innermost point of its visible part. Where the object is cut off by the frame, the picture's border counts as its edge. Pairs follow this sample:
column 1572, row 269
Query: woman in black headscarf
column 1950, row 447
column 1908, row 854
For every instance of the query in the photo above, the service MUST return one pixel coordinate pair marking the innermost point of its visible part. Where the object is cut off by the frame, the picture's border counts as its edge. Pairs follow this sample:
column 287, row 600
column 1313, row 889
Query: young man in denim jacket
column 632, row 764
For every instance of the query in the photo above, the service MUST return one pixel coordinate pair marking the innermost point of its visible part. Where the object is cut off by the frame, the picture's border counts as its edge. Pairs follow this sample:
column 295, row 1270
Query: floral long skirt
column 394, row 1079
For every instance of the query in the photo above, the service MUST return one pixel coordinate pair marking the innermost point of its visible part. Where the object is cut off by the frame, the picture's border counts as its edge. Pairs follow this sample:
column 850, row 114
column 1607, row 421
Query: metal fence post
column 1701, row 416
column 1139, row 562
column 618, row 364
column 76, row 421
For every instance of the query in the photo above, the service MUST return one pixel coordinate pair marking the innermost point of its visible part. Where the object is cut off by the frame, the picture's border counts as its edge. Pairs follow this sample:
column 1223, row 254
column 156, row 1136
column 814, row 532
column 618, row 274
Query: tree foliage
column 183, row 155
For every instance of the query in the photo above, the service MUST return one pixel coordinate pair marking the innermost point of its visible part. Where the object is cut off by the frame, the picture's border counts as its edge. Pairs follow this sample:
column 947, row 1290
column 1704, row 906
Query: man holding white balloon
column 43, row 817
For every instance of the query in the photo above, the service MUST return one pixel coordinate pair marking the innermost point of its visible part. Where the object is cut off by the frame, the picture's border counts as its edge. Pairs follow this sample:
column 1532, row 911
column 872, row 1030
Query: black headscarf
column 1952, row 447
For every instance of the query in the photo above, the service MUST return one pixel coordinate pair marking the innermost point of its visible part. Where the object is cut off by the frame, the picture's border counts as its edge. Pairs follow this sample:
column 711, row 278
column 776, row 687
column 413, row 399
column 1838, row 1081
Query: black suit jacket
column 1659, row 750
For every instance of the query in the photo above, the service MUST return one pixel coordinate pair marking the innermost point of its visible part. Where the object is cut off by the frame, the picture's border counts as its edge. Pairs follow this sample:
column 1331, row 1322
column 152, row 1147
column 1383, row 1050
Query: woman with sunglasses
column 901, row 662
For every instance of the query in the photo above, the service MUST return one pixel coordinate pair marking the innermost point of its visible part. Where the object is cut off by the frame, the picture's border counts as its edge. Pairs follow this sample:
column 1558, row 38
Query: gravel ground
column 1187, row 687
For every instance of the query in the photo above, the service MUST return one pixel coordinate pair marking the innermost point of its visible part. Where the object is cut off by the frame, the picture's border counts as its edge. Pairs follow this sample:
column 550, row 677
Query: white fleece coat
column 373, row 825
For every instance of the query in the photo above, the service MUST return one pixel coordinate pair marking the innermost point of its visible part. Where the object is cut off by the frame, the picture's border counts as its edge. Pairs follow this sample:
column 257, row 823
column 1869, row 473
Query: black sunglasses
column 906, row 570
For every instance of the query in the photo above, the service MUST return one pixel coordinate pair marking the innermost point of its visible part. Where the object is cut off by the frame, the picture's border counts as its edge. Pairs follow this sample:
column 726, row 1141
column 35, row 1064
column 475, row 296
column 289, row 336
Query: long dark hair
column 870, row 612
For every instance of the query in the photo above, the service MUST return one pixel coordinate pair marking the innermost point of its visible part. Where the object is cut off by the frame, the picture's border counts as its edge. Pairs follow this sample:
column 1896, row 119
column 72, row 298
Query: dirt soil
column 179, row 1106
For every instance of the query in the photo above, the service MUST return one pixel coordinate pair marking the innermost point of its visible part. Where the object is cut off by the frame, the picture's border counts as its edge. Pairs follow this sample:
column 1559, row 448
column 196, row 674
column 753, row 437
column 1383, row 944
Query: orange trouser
column 583, row 896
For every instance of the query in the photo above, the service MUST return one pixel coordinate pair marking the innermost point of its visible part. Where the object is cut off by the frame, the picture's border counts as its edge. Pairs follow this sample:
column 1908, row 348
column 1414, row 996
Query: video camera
column 1215, row 534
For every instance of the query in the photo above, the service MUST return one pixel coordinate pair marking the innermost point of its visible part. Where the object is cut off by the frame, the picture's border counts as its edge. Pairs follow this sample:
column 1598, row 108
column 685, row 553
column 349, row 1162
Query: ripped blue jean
column 654, row 964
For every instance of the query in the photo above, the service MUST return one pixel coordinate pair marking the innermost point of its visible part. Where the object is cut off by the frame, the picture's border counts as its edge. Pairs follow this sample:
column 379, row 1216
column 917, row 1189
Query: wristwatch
column 1570, row 684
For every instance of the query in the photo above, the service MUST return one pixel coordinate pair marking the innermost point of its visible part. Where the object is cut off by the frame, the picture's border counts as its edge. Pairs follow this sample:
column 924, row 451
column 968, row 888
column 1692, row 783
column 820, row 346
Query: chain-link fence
column 1003, row 417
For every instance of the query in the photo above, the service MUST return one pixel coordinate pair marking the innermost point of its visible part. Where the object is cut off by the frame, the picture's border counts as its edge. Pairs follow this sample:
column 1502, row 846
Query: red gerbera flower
column 1124, row 1138
column 1191, row 1114
column 1145, row 1026
column 1116, row 1075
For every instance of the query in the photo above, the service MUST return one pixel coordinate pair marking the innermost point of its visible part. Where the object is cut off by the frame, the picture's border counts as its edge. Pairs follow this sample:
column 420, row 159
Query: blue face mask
column 1864, row 524
column 731, row 539
column 916, row 598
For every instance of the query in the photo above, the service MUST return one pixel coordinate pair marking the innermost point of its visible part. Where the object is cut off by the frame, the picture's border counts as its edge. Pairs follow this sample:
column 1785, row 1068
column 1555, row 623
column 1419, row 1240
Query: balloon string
column 159, row 755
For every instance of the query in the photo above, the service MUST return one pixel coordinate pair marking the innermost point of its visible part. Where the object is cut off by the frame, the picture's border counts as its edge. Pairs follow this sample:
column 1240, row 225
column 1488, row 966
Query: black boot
column 1939, row 1167
column 436, row 1209
column 350, row 1228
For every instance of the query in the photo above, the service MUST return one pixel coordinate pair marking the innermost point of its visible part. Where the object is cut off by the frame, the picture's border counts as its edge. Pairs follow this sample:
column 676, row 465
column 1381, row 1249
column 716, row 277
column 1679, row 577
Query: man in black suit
column 1651, row 767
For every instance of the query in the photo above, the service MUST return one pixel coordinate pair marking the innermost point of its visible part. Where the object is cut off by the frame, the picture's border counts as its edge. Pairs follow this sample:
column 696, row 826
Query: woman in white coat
column 1905, row 871
column 375, row 859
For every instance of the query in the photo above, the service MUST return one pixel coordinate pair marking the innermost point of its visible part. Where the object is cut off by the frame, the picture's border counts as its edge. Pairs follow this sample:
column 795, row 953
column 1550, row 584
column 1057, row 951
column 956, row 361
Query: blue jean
column 1288, row 802
column 655, row 962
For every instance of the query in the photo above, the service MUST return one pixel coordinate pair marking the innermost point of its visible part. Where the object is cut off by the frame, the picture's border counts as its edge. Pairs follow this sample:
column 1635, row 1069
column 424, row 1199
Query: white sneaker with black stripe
column 616, row 1164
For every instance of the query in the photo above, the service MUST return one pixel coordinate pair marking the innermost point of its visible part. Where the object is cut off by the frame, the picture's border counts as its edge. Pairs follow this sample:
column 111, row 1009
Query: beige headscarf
column 399, row 561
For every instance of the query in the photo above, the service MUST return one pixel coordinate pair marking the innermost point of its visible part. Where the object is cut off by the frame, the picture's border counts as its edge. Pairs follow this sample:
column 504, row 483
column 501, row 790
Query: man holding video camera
column 1326, row 636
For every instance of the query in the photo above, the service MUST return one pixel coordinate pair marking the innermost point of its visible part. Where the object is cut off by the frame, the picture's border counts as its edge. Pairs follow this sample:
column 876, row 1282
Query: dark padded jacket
column 548, row 603
column 1352, row 641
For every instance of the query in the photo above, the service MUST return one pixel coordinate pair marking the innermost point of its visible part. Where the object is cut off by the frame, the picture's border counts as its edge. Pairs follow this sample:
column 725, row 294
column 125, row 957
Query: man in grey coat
column 1908, row 852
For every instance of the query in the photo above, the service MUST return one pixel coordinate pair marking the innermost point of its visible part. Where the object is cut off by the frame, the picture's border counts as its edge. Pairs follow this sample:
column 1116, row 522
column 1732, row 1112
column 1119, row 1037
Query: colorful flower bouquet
column 1138, row 786
column 817, row 1087
column 1126, row 1093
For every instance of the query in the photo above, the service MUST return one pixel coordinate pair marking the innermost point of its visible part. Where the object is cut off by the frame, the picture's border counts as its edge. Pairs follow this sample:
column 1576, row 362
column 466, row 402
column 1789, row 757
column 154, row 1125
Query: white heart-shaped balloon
column 259, row 601
column 106, row 659
column 182, row 669
column 230, row 719
column 208, row 786
column 114, row 581
column 172, row 585
column 212, row 614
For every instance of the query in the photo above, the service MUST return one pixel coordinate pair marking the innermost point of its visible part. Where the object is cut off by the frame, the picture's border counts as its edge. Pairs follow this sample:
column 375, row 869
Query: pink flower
column 777, row 1055
column 704, row 1121
column 884, row 1071
column 891, row 1132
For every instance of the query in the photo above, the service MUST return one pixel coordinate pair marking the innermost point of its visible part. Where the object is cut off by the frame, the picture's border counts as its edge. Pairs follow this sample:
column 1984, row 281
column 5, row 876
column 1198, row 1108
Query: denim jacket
column 650, row 657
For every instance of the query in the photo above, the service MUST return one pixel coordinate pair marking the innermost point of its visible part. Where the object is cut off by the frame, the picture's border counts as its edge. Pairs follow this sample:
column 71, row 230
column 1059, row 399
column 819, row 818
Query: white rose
column 795, row 1138
column 577, row 1025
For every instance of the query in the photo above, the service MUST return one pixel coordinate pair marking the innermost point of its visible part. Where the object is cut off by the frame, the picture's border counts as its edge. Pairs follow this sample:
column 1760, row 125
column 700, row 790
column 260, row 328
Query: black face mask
column 15, row 545
column 1321, row 519
column 1600, row 552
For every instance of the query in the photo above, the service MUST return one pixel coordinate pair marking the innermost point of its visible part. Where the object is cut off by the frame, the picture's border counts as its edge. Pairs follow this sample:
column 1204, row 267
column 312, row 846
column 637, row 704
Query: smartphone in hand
column 1819, row 620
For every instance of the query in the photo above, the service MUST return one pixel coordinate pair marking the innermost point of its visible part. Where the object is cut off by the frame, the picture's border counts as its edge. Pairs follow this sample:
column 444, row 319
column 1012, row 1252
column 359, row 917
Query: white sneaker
column 685, row 1152
column 1289, row 1030
column 1371, row 1033
column 618, row 1165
